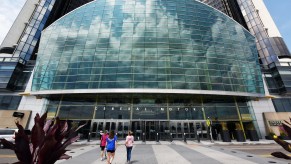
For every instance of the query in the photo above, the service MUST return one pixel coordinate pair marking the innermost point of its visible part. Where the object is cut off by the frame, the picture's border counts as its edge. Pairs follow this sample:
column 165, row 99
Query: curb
column 177, row 142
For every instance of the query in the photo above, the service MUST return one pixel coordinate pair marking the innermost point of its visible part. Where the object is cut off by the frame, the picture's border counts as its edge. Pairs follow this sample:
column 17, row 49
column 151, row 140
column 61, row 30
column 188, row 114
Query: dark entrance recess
column 152, row 130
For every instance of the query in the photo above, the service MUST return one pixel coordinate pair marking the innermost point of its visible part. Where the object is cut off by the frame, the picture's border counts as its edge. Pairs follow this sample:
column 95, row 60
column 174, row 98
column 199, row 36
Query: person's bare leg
column 102, row 154
column 108, row 157
column 105, row 154
column 112, row 157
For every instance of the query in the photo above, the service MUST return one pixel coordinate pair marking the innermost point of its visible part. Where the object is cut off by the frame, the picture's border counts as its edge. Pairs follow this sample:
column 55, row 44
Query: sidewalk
column 164, row 152
column 202, row 142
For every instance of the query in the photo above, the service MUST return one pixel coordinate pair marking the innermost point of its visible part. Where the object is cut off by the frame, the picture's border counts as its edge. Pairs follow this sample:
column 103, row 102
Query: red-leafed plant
column 47, row 143
column 287, row 146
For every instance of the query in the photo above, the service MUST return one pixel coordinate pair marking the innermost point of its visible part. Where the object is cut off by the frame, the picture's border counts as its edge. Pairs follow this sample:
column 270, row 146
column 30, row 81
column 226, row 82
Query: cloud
column 8, row 13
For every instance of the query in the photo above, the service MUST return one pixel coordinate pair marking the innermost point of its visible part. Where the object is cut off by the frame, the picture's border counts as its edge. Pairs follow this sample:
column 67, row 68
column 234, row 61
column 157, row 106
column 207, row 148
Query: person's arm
column 115, row 145
column 115, row 142
column 126, row 140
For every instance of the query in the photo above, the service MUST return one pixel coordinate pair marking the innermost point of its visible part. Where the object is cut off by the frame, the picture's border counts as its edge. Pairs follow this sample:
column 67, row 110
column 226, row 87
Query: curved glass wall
column 159, row 44
column 148, row 106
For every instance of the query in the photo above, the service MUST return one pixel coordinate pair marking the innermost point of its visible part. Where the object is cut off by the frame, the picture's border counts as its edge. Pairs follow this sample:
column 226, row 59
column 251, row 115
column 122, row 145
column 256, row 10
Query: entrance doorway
column 152, row 130
column 120, row 127
column 188, row 129
column 167, row 130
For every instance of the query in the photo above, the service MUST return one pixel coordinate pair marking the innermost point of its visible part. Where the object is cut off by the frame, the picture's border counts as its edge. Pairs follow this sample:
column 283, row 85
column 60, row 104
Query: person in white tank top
column 129, row 144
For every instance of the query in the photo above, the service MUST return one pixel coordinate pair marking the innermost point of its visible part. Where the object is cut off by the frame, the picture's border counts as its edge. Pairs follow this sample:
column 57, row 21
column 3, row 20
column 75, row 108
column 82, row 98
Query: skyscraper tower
column 274, row 55
column 146, row 65
column 253, row 15
column 19, row 48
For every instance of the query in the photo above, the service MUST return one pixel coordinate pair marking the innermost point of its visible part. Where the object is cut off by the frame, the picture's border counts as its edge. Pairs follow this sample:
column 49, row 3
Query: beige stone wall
column 8, row 121
column 273, row 119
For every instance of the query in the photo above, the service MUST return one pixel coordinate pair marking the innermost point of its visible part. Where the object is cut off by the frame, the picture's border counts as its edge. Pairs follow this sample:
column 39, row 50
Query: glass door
column 173, row 129
column 126, row 128
column 192, row 133
column 151, row 130
column 94, row 130
column 110, row 126
column 186, row 129
column 204, row 130
column 137, row 127
column 179, row 130
column 122, row 129
column 164, row 130
column 201, row 129
column 100, row 127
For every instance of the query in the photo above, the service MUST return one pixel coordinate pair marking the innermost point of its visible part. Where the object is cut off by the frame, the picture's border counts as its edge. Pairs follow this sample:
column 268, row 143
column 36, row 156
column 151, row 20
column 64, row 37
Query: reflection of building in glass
column 274, row 56
column 148, row 60
column 146, row 65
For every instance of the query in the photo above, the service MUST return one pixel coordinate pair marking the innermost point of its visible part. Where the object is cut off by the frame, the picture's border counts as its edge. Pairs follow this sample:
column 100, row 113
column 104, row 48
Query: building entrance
column 153, row 130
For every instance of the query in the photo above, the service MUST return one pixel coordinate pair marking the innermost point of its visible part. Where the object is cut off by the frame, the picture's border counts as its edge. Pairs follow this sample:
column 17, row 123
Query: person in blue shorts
column 111, row 145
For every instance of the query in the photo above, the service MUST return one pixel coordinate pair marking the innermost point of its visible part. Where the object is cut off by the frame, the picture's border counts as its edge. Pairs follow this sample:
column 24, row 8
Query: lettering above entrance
column 144, row 108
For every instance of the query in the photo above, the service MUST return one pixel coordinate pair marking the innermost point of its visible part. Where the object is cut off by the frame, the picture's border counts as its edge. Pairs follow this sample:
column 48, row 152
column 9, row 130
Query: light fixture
column 18, row 114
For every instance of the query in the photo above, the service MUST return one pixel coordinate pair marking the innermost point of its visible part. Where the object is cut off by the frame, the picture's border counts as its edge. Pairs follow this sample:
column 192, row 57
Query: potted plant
column 225, row 133
column 239, row 133
column 252, row 133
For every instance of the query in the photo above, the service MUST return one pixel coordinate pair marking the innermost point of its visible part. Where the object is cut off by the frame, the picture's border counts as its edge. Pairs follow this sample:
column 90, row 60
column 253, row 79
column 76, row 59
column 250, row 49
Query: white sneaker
column 102, row 159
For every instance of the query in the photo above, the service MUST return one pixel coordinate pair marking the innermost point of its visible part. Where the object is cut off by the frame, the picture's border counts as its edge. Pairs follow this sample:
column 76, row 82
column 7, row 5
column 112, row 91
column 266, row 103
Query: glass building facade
column 136, row 60
column 147, row 45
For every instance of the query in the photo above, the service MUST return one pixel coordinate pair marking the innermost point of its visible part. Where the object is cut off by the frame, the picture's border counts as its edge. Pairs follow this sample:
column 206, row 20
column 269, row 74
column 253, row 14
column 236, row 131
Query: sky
column 9, row 10
column 279, row 10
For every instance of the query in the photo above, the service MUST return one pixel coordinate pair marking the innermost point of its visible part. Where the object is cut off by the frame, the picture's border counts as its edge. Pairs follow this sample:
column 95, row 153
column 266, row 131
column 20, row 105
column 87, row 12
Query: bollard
column 143, row 137
column 185, row 140
column 89, row 137
column 157, row 137
column 171, row 137
column 198, row 137
column 210, row 133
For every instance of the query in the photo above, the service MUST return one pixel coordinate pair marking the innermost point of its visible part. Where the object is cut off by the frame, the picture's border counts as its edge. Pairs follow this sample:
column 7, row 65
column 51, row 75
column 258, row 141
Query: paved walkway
column 165, row 152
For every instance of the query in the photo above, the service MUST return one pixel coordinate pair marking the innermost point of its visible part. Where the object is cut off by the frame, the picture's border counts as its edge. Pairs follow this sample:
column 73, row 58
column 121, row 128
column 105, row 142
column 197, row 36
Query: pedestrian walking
column 103, row 138
column 129, row 144
column 111, row 145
